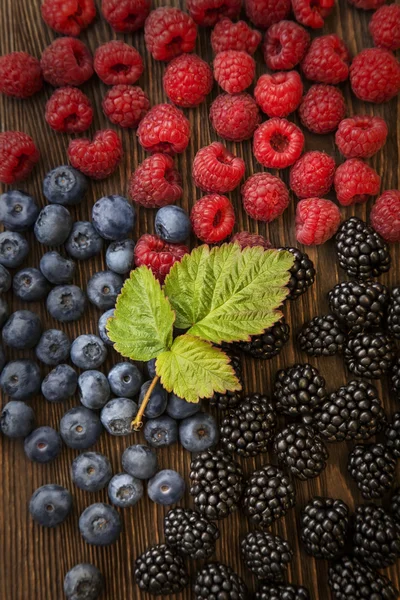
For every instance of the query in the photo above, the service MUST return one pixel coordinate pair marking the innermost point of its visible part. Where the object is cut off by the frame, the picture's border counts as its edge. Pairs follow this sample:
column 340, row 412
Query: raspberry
column 18, row 156
column 116, row 62
column 235, row 118
column 385, row 215
column 169, row 32
column 355, row 182
column 245, row 239
column 264, row 13
column 126, row 15
column 279, row 94
column 20, row 75
column 157, row 255
column 361, row 136
column 69, row 111
column 385, row 27
column 125, row 105
column 277, row 143
column 317, row 220
column 156, row 182
column 327, row 60
column 322, row 108
column 66, row 61
column 367, row 4
column 98, row 158
column 285, row 45
column 68, row 17
column 234, row 36
column 208, row 12
column 312, row 12
column 188, row 79
column 375, row 75
column 312, row 175
column 215, row 169
column 164, row 129
column 234, row 70
column 212, row 218
column 264, row 196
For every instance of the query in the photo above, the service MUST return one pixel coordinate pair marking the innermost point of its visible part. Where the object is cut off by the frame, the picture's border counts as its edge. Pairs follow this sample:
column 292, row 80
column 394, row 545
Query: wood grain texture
column 33, row 561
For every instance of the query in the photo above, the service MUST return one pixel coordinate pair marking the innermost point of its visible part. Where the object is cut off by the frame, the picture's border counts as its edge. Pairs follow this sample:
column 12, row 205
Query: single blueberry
column 17, row 419
column 53, row 225
column 151, row 368
column 125, row 379
column 103, row 288
column 20, row 379
column 13, row 249
column 5, row 280
column 166, row 487
column 91, row 471
column 80, row 428
column 172, row 224
column 113, row 217
column 100, row 524
column 102, row 326
column 30, row 285
column 60, row 384
column 43, row 445
column 94, row 389
column 56, row 268
column 198, row 432
column 117, row 416
column 125, row 490
column 162, row 431
column 65, row 185
column 84, row 241
column 66, row 303
column 22, row 330
column 88, row 351
column 179, row 408
column 140, row 461
column 119, row 256
column 18, row 210
column 83, row 582
column 157, row 402
column 4, row 311
column 50, row 505
column 53, row 347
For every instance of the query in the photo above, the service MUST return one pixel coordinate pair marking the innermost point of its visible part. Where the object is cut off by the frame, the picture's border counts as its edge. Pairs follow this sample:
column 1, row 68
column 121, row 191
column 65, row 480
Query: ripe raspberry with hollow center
column 69, row 111
column 317, row 220
column 18, row 156
column 285, row 45
column 235, row 117
column 327, row 60
column 277, row 143
column 164, row 129
column 125, row 105
column 209, row 12
column 355, row 182
column 215, row 169
column 69, row 17
column 156, row 182
column 312, row 175
column 20, row 75
column 367, row 4
column 385, row 215
column 234, row 36
column 116, row 62
column 322, row 108
column 234, row 71
column 375, row 75
column 361, row 136
column 125, row 16
column 98, row 158
column 66, row 61
column 245, row 239
column 279, row 94
column 169, row 32
column 264, row 13
column 264, row 197
column 188, row 79
column 312, row 13
column 157, row 255
column 213, row 218
column 385, row 27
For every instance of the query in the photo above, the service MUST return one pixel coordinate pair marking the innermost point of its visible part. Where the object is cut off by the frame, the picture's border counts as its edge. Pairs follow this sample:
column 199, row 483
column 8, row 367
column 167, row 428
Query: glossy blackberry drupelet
column 302, row 274
column 376, row 539
column 349, row 579
column 229, row 399
column 370, row 355
column 300, row 449
column 324, row 523
column 282, row 591
column 159, row 570
column 189, row 533
column 268, row 495
column 372, row 467
column 322, row 336
column 392, row 435
column 217, row 581
column 393, row 318
column 266, row 555
column 268, row 344
column 299, row 390
column 395, row 505
column 395, row 377
column 359, row 305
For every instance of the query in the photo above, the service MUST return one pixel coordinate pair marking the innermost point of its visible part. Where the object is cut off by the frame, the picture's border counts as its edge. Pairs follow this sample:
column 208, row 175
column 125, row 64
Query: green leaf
column 195, row 369
column 141, row 327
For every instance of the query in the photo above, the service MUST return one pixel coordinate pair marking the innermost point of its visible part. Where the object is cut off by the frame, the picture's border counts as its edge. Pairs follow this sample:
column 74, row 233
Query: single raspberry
column 277, row 143
column 125, row 105
column 156, row 182
column 312, row 12
column 285, row 45
column 68, row 17
column 264, row 13
column 361, row 136
column 312, row 175
column 367, row 4
column 322, row 108
column 66, row 61
column 126, row 16
column 385, row 215
column 169, row 32
column 245, row 239
column 98, row 158
column 385, row 27
column 215, row 169
column 188, row 79
column 157, row 255
column 235, row 117
column 264, row 196
column 279, row 94
column 355, row 182
column 317, row 220
column 18, row 156
column 209, row 12
column 375, row 75
column 327, row 60
column 213, row 218
column 234, row 70
column 69, row 111
column 116, row 62
column 164, row 129
column 20, row 75
column 234, row 36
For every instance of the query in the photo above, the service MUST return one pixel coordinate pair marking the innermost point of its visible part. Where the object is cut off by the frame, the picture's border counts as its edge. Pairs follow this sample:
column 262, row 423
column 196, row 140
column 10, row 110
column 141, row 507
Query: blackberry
column 349, row 579
column 392, row 435
column 299, row 390
column 324, row 523
column 376, row 539
column 395, row 377
column 282, row 591
column 216, row 483
column 393, row 318
column 301, row 450
column 302, row 274
column 370, row 354
column 268, row 344
column 359, row 304
column 229, row 399
column 190, row 533
column 372, row 467
column 268, row 495
column 217, row 581
column 266, row 555
column 159, row 570
column 361, row 251
column 395, row 505
column 322, row 336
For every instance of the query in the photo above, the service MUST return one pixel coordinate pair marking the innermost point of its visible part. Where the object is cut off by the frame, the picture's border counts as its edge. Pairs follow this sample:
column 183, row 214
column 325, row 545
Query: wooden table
column 33, row 560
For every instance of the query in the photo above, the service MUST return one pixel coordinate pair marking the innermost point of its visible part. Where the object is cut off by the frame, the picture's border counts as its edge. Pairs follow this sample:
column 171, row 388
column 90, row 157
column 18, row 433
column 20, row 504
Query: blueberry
column 13, row 249
column 113, row 217
column 18, row 211
column 151, row 368
column 140, row 461
column 30, row 285
column 2, row 359
column 53, row 347
column 125, row 490
column 91, row 471
column 100, row 524
column 94, row 389
column 102, row 326
column 172, row 224
column 53, row 225
column 119, row 256
column 83, row 582
column 22, row 330
column 43, row 445
column 88, row 351
column 117, row 416
column 66, row 303
column 80, row 428
column 158, row 400
column 198, row 432
column 179, row 408
column 166, row 487
column 5, row 280
column 20, row 379
column 103, row 288
column 125, row 379
column 4, row 311
column 17, row 419
column 162, row 431
column 60, row 384
column 84, row 241
column 50, row 505
column 56, row 268
column 64, row 185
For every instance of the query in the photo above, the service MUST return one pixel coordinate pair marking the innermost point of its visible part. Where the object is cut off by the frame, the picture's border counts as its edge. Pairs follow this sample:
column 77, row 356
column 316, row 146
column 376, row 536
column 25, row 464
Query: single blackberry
column 301, row 450
column 302, row 274
column 359, row 304
column 372, row 467
column 393, row 318
column 282, row 591
column 268, row 344
column 349, row 579
column 370, row 354
column 190, row 533
column 376, row 539
column 299, row 390
column 229, row 399
column 159, row 570
column 395, row 505
column 395, row 377
column 322, row 336
column 268, row 495
column 324, row 523
column 217, row 581
column 266, row 555
column 392, row 435
column 216, row 483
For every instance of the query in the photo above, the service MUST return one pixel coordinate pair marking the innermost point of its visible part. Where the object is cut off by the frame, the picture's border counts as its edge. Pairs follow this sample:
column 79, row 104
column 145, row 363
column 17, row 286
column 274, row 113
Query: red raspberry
column 18, row 156
column 235, row 118
column 322, row 108
column 208, row 12
column 188, row 79
column 68, row 17
column 264, row 196
column 234, row 36
column 69, row 111
column 355, row 182
column 169, row 32
column 125, row 105
column 385, row 216
column 215, row 169
column 234, row 70
column 277, row 143
column 126, row 15
column 264, row 13
column 361, row 136
column 317, row 220
column 312, row 175
column 98, row 158
column 285, row 45
column 385, row 27
column 156, row 182
column 164, row 129
column 312, row 12
column 213, row 218
column 245, row 239
column 20, row 75
column 66, row 61
column 157, row 255
column 367, row 4
column 279, row 94
column 327, row 60
column 116, row 62
column 375, row 75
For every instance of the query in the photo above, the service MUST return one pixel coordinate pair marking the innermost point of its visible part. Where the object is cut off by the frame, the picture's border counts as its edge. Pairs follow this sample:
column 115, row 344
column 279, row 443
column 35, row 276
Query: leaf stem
column 137, row 422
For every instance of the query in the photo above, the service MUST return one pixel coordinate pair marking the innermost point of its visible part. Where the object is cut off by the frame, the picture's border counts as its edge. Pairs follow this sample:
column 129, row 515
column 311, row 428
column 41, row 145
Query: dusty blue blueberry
column 103, row 288
column 125, row 379
column 80, row 428
column 151, row 368
column 119, row 256
column 140, row 461
column 13, row 249
column 50, row 505
column 5, row 280
column 53, row 225
column 2, row 358
column 113, row 217
column 166, row 487
column 91, row 471
column 157, row 402
column 53, row 347
column 17, row 419
column 117, row 416
column 18, row 210
column 100, row 524
column 4, row 311
column 102, row 326
column 179, row 408
column 162, row 431
column 66, row 303
column 94, row 389
column 84, row 241
column 172, row 224
column 43, row 445
column 88, row 351
column 56, row 268
column 65, row 185
column 60, row 384
column 83, row 582
column 125, row 490
column 198, row 432
column 20, row 379
column 30, row 285
column 22, row 330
